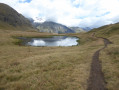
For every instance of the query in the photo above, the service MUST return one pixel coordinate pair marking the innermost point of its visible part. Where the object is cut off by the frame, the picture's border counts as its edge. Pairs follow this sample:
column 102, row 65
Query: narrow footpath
column 96, row 79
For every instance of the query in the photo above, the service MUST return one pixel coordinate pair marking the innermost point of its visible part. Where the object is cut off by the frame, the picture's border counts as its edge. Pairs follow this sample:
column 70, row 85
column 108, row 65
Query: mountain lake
column 50, row 41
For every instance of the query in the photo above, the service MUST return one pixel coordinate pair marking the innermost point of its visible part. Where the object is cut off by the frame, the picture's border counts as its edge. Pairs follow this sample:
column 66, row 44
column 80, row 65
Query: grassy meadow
column 45, row 68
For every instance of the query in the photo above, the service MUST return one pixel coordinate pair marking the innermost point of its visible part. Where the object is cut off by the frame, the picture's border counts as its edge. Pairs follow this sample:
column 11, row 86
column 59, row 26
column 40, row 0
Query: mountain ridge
column 53, row 27
column 11, row 19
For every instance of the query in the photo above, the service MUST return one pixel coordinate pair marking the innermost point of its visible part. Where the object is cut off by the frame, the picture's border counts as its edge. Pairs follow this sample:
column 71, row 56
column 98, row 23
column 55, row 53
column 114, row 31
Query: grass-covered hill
column 77, row 29
column 11, row 19
column 109, row 56
column 107, row 30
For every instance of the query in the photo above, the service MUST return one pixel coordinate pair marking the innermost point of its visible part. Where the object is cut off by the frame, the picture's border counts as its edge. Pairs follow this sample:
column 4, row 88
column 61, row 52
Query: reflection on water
column 53, row 41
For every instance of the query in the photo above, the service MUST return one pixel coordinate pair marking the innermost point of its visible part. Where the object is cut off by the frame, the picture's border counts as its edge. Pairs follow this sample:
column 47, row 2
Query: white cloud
column 83, row 13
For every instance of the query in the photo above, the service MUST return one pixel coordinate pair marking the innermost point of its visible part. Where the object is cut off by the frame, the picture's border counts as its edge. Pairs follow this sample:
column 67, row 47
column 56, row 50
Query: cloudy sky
column 82, row 13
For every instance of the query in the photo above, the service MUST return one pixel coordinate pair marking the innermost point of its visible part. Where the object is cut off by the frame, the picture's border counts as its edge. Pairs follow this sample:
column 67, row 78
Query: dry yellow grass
column 44, row 68
column 110, row 63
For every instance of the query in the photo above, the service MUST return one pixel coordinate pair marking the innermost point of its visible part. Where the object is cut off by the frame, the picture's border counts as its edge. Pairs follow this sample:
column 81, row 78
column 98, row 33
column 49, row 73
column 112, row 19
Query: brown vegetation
column 110, row 63
column 110, row 56
column 44, row 68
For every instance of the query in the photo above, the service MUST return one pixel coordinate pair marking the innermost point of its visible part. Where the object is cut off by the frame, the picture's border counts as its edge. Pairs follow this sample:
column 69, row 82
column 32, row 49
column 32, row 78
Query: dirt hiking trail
column 96, row 79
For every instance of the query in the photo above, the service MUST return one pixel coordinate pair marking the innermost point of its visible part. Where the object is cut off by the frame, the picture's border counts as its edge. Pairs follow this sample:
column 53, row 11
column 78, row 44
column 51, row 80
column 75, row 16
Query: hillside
column 53, row 27
column 77, row 29
column 11, row 19
column 109, row 57
column 107, row 30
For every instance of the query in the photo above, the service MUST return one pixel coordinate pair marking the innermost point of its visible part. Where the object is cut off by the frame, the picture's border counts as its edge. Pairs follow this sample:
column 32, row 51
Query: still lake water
column 52, row 41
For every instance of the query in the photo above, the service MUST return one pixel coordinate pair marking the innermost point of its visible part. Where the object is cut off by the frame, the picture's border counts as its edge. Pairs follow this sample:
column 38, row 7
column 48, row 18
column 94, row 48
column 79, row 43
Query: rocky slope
column 53, row 27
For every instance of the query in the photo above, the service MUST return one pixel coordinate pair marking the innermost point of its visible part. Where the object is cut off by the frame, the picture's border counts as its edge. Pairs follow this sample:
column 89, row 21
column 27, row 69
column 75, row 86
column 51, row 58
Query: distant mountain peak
column 53, row 27
column 39, row 20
